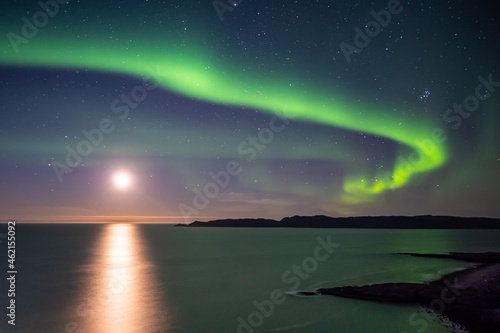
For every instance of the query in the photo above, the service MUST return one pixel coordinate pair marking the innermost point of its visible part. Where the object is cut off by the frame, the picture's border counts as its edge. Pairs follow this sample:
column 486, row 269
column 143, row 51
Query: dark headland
column 470, row 297
column 372, row 222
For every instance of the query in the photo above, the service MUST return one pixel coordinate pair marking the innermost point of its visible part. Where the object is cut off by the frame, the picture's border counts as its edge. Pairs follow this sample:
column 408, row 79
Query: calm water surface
column 156, row 278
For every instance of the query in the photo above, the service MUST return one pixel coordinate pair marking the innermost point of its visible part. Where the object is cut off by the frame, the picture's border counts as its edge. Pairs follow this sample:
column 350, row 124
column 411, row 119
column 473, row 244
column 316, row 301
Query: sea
column 147, row 278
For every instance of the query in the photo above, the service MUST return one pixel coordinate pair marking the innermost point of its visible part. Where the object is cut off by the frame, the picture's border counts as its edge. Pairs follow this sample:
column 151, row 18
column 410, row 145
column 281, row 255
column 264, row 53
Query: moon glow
column 122, row 180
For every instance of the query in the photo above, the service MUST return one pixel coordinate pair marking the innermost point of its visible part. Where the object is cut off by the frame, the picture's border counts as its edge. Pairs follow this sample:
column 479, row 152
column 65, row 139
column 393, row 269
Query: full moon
column 122, row 180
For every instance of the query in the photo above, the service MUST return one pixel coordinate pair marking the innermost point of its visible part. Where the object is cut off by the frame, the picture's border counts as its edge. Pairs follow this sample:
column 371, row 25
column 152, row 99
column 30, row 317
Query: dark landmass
column 470, row 297
column 373, row 222
column 485, row 257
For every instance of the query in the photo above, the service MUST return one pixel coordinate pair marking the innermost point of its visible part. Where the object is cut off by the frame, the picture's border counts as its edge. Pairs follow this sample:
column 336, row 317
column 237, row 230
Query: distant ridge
column 365, row 222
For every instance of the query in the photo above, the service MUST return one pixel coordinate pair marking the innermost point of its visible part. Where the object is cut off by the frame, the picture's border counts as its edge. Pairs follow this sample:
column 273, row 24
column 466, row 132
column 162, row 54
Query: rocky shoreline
column 470, row 297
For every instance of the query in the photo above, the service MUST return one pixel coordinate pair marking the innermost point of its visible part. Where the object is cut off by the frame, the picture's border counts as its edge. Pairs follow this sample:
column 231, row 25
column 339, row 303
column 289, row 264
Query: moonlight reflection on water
column 122, row 295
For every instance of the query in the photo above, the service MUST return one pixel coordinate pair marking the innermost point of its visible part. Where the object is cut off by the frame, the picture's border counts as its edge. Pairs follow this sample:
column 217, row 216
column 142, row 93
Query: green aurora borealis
column 196, row 64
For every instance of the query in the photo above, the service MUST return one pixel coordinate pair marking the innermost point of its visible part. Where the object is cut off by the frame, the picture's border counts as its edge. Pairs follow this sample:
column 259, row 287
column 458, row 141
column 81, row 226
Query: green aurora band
column 194, row 72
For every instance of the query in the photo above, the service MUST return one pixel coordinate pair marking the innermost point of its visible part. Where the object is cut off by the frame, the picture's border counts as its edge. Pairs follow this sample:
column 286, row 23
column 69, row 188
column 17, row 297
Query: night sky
column 254, row 109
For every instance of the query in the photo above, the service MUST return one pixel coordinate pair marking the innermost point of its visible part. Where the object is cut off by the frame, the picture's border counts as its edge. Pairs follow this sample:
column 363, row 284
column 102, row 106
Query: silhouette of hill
column 368, row 222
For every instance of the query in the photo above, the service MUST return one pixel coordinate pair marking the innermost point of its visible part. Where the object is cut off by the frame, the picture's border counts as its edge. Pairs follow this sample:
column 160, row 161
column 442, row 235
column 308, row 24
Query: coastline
column 359, row 222
column 469, row 297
